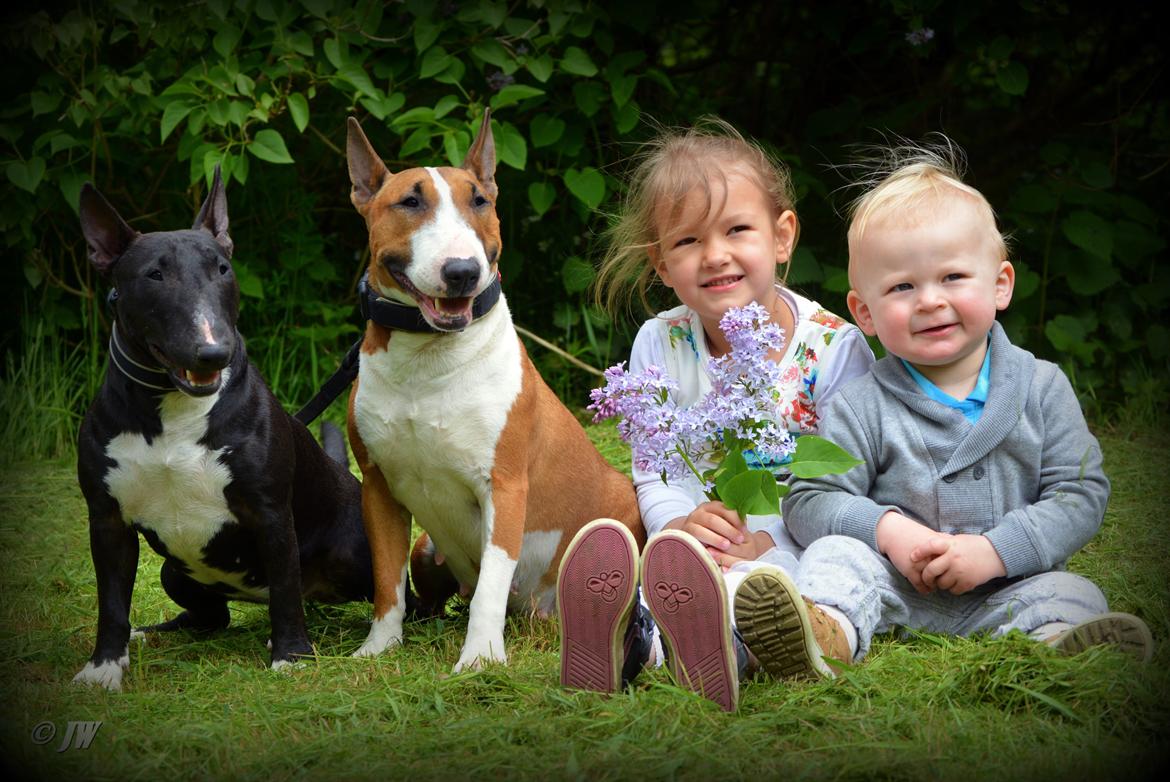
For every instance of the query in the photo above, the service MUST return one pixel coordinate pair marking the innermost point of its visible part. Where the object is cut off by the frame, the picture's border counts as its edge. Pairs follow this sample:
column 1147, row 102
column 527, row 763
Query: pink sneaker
column 596, row 584
column 687, row 598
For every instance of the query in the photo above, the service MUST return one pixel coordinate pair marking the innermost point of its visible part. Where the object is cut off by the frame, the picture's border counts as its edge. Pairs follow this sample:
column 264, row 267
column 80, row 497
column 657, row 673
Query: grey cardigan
column 1028, row 475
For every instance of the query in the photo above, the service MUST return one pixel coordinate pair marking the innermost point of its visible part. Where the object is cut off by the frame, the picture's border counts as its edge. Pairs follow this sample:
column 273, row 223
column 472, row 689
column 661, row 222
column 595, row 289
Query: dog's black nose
column 460, row 275
column 212, row 356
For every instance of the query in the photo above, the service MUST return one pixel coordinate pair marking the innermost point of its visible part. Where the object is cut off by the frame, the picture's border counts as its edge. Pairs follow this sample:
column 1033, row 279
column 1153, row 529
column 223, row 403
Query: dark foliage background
column 1061, row 107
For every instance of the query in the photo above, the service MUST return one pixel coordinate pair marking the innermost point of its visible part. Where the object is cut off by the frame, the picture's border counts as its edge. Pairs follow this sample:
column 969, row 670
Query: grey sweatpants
column 865, row 586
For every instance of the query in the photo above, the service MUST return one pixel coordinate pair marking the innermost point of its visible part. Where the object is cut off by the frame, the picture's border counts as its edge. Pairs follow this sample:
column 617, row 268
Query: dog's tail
column 333, row 443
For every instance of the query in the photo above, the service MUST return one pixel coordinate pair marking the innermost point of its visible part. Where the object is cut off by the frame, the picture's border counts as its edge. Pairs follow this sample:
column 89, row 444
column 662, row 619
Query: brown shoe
column 1126, row 632
column 788, row 634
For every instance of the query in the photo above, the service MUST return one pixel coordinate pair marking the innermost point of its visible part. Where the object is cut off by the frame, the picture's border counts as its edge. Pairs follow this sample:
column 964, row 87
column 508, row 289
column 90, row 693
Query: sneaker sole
column 596, row 583
column 1123, row 631
column 771, row 616
column 684, row 590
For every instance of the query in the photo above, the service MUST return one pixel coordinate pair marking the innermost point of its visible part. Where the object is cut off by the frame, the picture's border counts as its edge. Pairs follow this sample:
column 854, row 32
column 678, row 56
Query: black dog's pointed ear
column 367, row 172
column 213, row 215
column 106, row 233
column 481, row 157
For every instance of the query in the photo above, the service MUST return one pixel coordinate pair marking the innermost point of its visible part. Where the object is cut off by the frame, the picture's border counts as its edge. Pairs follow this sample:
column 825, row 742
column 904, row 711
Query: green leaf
column 545, row 130
column 1012, row 79
column 541, row 195
column 588, row 185
column 733, row 464
column 491, row 51
column 588, row 96
column 540, row 67
column 622, row 89
column 434, row 62
column 384, row 107
column 250, row 284
column 752, row 493
column 26, row 175
column 419, row 140
column 335, row 52
column 298, row 109
column 445, row 104
column 417, row 116
column 1066, row 333
column 244, row 84
column 511, row 146
column 514, row 93
column 1090, row 233
column 173, row 114
column 44, row 102
column 1001, row 48
column 240, row 171
column 70, row 183
column 1088, row 275
column 455, row 146
column 301, row 43
column 576, row 274
column 269, row 146
column 577, row 62
column 425, row 34
column 453, row 74
column 815, row 456
column 626, row 117
column 355, row 76
column 225, row 41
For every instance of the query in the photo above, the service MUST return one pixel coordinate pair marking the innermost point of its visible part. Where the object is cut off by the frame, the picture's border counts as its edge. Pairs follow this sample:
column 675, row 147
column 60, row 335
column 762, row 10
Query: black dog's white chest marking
column 173, row 486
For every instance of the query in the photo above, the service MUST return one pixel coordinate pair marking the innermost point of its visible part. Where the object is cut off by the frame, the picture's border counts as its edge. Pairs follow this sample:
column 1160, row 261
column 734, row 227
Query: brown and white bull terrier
column 449, row 419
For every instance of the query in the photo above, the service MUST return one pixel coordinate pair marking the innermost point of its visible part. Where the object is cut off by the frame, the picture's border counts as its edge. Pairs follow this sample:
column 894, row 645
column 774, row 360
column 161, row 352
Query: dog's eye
column 479, row 201
column 410, row 202
column 154, row 274
column 223, row 268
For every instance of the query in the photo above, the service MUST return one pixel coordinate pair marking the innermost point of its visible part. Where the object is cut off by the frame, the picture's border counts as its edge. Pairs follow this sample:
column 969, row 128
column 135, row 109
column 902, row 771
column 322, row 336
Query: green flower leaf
column 1012, row 79
column 1090, row 233
column 540, row 67
column 173, row 114
column 298, row 108
column 545, row 130
column 576, row 274
column 588, row 185
column 26, row 175
column 434, row 62
column 752, row 492
column 514, row 93
column 541, row 195
column 510, row 145
column 269, row 146
column 815, row 456
column 577, row 62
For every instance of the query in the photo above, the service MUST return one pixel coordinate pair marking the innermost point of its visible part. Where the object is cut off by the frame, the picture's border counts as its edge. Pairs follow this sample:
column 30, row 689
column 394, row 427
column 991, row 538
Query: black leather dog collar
column 403, row 317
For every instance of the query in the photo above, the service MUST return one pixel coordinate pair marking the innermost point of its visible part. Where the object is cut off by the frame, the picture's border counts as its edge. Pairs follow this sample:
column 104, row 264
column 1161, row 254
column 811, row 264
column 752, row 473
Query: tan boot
column 1126, row 632
column 788, row 634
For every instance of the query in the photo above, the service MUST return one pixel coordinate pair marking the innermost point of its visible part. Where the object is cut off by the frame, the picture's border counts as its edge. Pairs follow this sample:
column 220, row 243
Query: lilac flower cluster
column 920, row 37
column 673, row 441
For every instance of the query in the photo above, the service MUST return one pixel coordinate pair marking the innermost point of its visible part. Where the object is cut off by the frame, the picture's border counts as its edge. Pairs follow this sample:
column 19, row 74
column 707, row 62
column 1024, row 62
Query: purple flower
column 674, row 441
column 499, row 80
column 919, row 37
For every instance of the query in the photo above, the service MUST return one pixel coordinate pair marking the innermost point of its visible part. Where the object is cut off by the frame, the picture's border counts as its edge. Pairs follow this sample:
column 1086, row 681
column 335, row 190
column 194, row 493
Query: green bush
column 1060, row 112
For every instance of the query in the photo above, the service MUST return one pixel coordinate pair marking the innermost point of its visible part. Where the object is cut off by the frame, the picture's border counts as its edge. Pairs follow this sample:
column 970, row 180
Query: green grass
column 207, row 707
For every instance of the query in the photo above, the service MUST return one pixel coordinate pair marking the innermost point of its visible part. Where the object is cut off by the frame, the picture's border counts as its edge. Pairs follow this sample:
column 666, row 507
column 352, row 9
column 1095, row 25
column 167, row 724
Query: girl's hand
column 753, row 548
column 714, row 525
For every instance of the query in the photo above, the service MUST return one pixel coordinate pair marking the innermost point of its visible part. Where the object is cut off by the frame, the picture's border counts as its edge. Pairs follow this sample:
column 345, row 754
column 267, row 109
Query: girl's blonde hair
column 904, row 175
column 664, row 170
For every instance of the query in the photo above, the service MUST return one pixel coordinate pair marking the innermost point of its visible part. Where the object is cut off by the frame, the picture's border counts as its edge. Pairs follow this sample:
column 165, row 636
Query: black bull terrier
column 185, row 444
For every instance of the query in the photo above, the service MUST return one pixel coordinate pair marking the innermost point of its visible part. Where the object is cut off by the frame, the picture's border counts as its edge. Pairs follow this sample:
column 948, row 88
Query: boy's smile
column 928, row 282
column 723, row 252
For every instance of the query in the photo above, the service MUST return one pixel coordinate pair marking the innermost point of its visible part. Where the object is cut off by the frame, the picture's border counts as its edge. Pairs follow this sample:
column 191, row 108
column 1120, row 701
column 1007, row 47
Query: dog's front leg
column 388, row 529
column 114, row 548
column 286, row 607
column 503, row 524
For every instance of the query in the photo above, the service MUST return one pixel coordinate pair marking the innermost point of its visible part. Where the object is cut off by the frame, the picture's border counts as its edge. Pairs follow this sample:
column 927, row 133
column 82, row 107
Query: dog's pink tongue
column 453, row 306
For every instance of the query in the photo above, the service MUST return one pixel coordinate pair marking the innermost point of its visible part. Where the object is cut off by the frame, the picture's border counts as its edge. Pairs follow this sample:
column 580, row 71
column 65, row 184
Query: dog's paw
column 478, row 650
column 107, row 675
column 385, row 633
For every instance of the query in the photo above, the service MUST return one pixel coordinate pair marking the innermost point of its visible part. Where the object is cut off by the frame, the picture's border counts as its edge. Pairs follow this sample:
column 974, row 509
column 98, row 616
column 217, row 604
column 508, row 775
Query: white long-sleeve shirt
column 822, row 353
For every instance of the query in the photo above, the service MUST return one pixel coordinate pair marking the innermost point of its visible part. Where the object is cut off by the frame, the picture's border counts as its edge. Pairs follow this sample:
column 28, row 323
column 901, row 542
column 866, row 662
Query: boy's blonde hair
column 905, row 175
column 665, row 170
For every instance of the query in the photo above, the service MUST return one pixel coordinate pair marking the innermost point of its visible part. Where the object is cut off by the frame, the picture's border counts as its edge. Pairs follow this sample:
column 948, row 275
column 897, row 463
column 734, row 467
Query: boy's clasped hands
column 930, row 560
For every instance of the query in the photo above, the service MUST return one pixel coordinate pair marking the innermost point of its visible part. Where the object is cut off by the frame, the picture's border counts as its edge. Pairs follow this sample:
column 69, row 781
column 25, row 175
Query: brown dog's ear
column 481, row 157
column 106, row 233
column 367, row 172
column 213, row 216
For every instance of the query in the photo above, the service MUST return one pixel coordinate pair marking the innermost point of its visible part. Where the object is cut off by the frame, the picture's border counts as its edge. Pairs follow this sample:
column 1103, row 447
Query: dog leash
column 392, row 315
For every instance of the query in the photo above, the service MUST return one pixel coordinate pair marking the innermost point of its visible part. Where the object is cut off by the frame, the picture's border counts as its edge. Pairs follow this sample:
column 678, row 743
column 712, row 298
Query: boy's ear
column 658, row 264
column 1005, row 283
column 861, row 314
column 786, row 228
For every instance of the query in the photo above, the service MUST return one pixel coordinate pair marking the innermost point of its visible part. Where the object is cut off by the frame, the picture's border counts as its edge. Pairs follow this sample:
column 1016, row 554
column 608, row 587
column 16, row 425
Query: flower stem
column 709, row 494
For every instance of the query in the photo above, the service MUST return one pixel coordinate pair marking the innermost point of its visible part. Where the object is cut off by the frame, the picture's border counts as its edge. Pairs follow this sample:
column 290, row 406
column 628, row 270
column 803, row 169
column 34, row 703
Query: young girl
column 711, row 216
